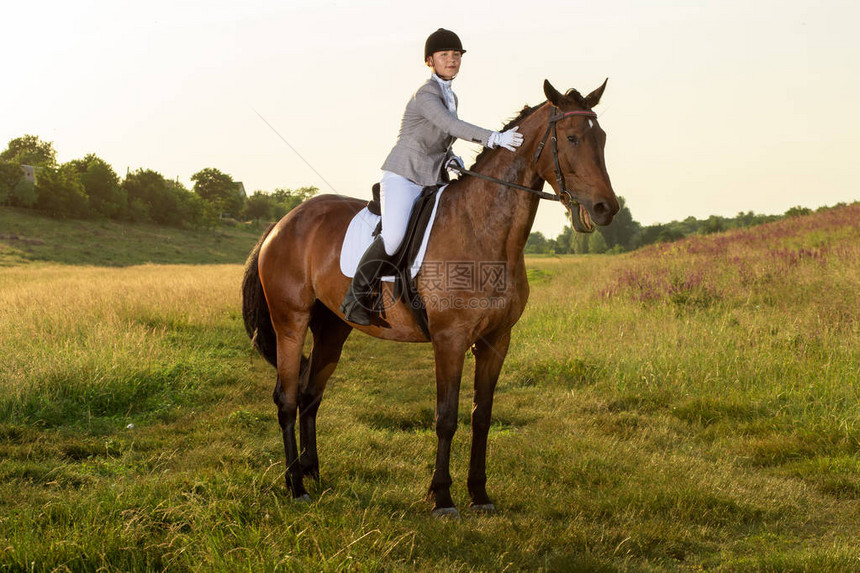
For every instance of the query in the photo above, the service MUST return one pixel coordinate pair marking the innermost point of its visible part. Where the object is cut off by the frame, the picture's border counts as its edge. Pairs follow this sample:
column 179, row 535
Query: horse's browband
column 569, row 113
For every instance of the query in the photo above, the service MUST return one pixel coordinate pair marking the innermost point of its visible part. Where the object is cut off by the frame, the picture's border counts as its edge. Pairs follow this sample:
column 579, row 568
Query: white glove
column 509, row 139
column 454, row 163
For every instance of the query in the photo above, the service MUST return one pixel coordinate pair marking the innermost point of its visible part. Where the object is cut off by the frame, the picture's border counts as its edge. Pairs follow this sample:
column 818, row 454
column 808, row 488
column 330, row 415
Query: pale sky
column 712, row 107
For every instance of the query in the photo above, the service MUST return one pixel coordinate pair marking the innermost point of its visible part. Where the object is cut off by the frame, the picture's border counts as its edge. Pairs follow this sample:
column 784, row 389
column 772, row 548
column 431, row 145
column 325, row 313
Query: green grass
column 28, row 237
column 688, row 407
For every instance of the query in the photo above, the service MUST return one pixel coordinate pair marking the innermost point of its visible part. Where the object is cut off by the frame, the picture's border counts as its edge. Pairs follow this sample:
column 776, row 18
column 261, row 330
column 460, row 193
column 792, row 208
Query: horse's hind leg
column 291, row 329
column 329, row 334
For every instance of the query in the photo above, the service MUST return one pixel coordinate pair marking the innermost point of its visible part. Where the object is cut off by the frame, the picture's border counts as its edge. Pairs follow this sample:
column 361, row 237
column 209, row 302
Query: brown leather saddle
column 403, row 259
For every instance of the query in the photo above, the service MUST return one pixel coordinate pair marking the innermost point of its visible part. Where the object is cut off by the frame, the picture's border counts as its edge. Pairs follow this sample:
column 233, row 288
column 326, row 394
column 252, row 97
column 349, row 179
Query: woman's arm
column 432, row 108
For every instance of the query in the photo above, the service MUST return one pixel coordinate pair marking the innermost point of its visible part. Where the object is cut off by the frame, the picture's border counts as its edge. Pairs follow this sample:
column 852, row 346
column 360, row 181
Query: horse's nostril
column 601, row 209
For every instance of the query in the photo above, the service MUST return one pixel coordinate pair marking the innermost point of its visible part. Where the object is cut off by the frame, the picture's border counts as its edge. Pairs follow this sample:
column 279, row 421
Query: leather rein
column 564, row 196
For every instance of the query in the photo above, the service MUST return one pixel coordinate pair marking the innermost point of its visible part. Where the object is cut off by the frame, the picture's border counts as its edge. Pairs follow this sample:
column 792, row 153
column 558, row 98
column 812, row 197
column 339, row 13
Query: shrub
column 60, row 192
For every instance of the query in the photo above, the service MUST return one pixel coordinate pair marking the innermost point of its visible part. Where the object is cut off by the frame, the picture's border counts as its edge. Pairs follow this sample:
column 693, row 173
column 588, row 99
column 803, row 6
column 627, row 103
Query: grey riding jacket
column 427, row 131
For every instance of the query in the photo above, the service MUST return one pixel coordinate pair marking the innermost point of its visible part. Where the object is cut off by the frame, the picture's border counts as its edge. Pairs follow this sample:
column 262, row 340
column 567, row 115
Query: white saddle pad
column 359, row 235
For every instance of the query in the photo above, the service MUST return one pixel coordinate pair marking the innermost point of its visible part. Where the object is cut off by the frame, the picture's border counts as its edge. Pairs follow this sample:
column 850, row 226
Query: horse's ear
column 551, row 93
column 594, row 97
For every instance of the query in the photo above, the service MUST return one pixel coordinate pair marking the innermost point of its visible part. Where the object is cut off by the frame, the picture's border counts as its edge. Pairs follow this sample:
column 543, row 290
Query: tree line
column 89, row 188
column 627, row 234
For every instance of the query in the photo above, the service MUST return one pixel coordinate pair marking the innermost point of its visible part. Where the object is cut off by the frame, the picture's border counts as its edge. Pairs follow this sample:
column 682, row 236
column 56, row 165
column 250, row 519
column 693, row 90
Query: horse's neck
column 502, row 217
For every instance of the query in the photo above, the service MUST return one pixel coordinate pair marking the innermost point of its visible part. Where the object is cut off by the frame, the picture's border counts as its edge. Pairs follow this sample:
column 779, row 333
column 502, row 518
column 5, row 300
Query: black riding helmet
column 440, row 41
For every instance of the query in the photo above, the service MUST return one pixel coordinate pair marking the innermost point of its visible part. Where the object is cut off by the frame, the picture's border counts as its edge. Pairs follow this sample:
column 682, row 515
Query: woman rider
column 423, row 150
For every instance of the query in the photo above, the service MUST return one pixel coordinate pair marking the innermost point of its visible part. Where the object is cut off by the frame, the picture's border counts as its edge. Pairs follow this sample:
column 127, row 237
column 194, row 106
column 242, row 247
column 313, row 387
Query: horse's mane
column 571, row 97
column 524, row 113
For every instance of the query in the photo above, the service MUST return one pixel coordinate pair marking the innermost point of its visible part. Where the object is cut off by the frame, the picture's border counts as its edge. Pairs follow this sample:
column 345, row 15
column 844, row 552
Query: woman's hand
column 509, row 139
column 454, row 163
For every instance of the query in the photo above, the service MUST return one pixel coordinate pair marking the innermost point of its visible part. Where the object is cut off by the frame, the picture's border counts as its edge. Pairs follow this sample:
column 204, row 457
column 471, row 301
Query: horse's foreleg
column 489, row 356
column 286, row 398
column 449, row 357
column 330, row 334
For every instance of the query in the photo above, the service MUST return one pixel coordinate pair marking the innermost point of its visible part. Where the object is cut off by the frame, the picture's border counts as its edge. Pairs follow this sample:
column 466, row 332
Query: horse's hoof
column 483, row 508
column 302, row 499
column 447, row 512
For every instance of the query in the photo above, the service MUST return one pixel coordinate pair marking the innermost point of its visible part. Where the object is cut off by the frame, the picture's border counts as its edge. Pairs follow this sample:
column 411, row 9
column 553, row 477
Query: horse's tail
column 255, row 309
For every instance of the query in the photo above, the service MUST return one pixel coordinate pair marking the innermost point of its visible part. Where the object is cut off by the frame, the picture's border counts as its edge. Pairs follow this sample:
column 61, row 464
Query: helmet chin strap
column 441, row 77
column 448, row 79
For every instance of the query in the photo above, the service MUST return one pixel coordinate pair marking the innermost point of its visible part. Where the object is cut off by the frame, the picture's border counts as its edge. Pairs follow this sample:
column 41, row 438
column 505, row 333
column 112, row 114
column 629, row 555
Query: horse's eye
column 573, row 139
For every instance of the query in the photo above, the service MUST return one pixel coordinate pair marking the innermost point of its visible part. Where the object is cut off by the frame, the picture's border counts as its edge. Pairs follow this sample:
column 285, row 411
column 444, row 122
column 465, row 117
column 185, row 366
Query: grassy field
column 27, row 237
column 691, row 406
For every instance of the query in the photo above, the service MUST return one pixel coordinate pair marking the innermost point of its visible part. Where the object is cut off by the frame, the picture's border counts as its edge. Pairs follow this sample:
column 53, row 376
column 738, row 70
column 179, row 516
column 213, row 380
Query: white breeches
column 397, row 195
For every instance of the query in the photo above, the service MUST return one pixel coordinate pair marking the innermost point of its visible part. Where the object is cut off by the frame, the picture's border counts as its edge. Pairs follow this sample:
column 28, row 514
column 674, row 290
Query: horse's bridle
column 564, row 196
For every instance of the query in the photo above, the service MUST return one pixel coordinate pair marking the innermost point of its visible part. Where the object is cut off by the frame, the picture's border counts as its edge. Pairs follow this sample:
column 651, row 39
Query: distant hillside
column 26, row 237
column 807, row 257
column 822, row 231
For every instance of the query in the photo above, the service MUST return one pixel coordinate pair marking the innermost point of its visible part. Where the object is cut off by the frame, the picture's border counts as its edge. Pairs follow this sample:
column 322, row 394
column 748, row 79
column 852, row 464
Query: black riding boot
column 356, row 303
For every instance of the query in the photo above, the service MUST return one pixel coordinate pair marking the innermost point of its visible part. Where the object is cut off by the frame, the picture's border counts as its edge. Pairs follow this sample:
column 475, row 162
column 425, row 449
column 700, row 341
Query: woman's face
column 446, row 64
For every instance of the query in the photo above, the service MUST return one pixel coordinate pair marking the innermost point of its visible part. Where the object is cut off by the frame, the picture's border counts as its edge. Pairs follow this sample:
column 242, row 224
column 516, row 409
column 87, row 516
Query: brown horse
column 473, row 283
